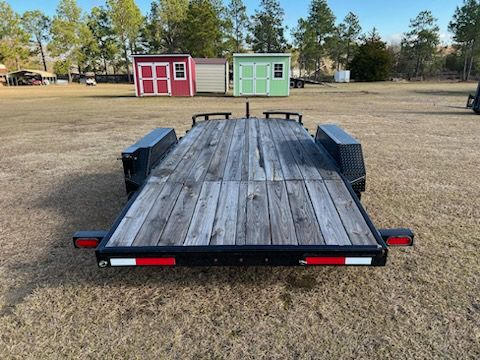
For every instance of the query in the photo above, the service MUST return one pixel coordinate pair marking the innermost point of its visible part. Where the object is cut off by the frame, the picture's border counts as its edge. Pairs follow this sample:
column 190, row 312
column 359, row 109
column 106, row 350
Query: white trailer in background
column 342, row 76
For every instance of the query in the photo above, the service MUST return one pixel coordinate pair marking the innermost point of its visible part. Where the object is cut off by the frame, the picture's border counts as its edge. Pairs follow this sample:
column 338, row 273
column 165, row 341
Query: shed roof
column 260, row 54
column 44, row 74
column 161, row 55
column 210, row 61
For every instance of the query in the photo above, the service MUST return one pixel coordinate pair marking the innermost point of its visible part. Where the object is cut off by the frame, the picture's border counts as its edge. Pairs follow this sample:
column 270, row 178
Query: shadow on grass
column 442, row 113
column 120, row 96
column 109, row 96
column 92, row 202
column 443, row 92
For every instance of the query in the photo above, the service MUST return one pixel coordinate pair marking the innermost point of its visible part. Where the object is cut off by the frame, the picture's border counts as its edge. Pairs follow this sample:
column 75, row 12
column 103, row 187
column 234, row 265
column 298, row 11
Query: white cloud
column 446, row 38
column 393, row 39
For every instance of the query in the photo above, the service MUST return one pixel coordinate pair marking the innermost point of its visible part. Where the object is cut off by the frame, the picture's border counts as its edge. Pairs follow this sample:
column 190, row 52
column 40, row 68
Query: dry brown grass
column 58, row 174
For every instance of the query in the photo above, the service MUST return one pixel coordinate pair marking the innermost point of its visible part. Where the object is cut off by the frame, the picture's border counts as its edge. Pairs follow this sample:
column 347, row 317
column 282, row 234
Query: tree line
column 103, row 39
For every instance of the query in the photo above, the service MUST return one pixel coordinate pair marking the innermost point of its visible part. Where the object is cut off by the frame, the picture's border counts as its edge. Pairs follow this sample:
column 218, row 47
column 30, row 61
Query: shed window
column 278, row 71
column 180, row 71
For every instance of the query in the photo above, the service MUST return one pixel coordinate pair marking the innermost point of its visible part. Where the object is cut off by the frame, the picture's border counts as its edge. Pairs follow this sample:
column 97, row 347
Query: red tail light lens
column 87, row 243
column 399, row 241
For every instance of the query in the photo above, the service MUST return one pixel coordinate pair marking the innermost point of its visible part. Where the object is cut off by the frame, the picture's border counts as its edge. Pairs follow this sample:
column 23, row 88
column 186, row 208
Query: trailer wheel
column 299, row 84
column 293, row 83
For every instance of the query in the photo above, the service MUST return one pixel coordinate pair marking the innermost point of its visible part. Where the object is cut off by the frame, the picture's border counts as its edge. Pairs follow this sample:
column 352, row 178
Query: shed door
column 145, row 77
column 154, row 79
column 254, row 79
column 262, row 79
column 246, row 79
column 162, row 78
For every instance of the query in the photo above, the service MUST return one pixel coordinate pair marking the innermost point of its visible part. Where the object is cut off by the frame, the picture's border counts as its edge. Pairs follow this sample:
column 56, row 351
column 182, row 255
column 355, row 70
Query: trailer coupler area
column 397, row 237
column 89, row 239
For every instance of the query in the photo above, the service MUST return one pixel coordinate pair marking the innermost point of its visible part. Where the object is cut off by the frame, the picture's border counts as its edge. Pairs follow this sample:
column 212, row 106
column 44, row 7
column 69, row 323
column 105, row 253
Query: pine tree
column 237, row 12
column 267, row 28
column 465, row 27
column 164, row 30
column 37, row 25
column 13, row 39
column 127, row 21
column 202, row 29
column 101, row 27
column 420, row 43
column 373, row 61
column 351, row 34
column 67, row 31
column 313, row 35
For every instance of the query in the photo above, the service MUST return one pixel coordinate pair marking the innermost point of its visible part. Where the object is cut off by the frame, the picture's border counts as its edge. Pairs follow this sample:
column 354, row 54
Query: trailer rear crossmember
column 244, row 192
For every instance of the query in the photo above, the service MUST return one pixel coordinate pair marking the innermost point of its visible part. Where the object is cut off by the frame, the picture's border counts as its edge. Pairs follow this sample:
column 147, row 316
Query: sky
column 390, row 18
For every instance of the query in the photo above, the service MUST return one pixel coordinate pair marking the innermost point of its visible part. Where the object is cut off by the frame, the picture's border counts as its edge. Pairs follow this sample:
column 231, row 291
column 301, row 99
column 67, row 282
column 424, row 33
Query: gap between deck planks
column 254, row 182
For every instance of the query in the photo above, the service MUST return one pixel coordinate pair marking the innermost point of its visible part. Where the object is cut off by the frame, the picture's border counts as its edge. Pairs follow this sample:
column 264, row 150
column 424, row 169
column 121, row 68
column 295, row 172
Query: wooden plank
column 246, row 150
column 315, row 153
column 188, row 160
column 281, row 221
column 179, row 220
column 241, row 236
column 258, row 223
column 306, row 224
column 273, row 169
column 205, row 154
column 152, row 228
column 171, row 161
column 307, row 168
column 256, row 162
column 217, row 165
column 225, row 224
column 235, row 158
column 354, row 222
column 200, row 229
column 132, row 221
column 289, row 165
column 331, row 225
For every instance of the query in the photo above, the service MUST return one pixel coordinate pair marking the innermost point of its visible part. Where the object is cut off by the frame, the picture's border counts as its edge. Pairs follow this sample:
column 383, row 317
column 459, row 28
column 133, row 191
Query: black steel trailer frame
column 473, row 101
column 245, row 255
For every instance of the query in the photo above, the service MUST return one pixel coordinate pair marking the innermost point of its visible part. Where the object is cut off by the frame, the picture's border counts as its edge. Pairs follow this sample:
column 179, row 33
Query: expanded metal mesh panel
column 139, row 158
column 346, row 151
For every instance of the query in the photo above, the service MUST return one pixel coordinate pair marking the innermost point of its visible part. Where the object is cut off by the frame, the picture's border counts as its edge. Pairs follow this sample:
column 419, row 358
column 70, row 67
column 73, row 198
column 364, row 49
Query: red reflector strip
column 325, row 260
column 318, row 260
column 399, row 241
column 86, row 243
column 142, row 261
column 155, row 261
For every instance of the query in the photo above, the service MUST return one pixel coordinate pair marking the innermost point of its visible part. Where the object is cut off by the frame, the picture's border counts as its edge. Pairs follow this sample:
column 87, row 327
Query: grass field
column 59, row 173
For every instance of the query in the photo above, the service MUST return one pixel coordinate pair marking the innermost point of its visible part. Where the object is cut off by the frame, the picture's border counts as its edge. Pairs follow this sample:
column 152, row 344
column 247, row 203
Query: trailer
column 245, row 191
column 299, row 82
column 473, row 101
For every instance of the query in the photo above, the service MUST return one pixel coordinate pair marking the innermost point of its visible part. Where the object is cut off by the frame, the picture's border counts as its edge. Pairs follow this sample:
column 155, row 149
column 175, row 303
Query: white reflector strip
column 123, row 262
column 358, row 261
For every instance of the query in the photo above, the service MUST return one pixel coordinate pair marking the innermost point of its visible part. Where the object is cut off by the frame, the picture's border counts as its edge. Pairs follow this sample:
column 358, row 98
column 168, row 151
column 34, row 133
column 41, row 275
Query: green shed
column 261, row 74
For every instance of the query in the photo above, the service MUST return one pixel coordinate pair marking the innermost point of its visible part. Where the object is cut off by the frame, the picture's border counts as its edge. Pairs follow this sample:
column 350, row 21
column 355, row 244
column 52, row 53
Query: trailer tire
column 300, row 84
column 293, row 83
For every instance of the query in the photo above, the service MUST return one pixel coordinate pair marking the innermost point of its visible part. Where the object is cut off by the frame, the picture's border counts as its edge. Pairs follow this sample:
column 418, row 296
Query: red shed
column 164, row 75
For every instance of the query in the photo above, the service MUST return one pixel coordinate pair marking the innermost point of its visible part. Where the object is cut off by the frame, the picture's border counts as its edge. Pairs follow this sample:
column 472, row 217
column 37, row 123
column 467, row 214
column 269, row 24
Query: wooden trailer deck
column 244, row 182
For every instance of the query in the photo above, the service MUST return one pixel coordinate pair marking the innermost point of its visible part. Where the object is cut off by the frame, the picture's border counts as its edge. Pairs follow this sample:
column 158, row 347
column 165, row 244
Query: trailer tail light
column 322, row 260
column 399, row 241
column 160, row 261
column 87, row 243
